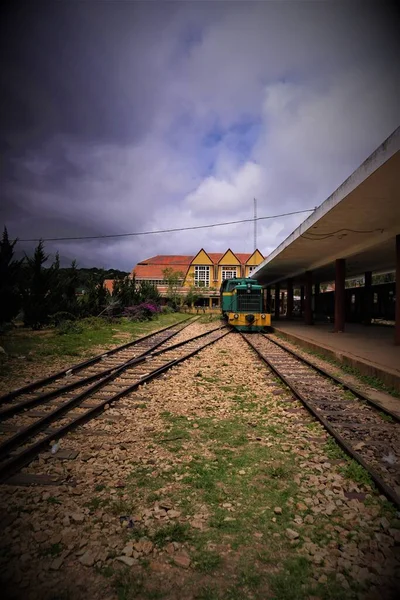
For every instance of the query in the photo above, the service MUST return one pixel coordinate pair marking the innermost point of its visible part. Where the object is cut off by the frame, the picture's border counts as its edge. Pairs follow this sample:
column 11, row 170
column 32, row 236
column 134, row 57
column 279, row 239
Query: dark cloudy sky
column 132, row 116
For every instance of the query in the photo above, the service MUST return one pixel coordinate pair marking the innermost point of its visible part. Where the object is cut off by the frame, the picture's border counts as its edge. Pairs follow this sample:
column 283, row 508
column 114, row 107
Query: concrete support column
column 397, row 317
column 316, row 297
column 269, row 300
column 340, row 304
column 289, row 308
column 277, row 300
column 301, row 300
column 367, row 300
column 308, row 305
column 210, row 302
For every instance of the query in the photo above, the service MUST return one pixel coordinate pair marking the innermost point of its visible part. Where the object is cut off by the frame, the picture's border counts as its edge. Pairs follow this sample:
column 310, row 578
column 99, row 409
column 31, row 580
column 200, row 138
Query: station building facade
column 203, row 272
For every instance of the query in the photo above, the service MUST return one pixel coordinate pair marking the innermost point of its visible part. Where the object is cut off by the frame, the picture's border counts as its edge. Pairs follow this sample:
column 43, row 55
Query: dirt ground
column 210, row 483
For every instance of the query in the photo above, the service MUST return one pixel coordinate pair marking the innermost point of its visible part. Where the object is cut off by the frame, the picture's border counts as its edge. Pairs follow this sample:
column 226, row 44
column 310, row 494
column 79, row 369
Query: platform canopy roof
column 358, row 222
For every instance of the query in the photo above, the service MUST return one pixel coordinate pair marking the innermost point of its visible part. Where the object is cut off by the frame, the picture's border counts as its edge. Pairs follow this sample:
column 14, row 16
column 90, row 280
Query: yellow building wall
column 189, row 279
column 255, row 259
column 229, row 259
column 200, row 259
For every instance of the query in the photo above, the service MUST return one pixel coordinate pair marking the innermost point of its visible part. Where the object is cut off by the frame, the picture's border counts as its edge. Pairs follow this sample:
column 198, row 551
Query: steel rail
column 30, row 387
column 14, row 409
column 17, row 462
column 27, row 432
column 348, row 448
column 345, row 385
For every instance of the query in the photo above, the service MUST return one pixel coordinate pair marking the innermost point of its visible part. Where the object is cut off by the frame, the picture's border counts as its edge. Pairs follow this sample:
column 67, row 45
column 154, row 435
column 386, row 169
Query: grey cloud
column 108, row 106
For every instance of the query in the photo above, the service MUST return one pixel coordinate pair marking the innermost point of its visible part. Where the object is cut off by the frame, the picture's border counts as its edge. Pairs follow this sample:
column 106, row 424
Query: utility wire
column 119, row 235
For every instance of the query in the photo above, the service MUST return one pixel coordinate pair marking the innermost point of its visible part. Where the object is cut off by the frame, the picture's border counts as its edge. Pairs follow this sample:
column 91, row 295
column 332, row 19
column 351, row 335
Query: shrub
column 167, row 309
column 66, row 327
column 93, row 322
column 61, row 317
column 142, row 312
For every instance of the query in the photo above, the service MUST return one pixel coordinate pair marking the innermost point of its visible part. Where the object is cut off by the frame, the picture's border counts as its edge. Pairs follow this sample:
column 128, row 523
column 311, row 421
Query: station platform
column 370, row 350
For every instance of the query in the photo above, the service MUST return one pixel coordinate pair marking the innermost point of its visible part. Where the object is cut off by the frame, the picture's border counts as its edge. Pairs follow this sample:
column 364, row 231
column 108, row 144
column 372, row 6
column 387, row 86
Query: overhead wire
column 172, row 230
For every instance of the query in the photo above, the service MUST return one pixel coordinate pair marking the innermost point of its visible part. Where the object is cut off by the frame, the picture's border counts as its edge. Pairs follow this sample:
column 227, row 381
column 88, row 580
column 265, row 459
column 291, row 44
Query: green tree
column 96, row 299
column 63, row 288
column 70, row 285
column 10, row 272
column 174, row 280
column 125, row 292
column 193, row 295
column 148, row 292
column 36, row 294
column 56, row 299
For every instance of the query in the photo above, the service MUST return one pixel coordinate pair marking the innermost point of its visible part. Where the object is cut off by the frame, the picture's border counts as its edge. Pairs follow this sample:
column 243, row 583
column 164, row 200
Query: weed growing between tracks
column 242, row 484
column 220, row 487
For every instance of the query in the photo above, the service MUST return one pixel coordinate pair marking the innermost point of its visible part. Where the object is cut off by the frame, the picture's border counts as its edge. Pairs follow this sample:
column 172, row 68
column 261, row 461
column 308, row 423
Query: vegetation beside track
column 209, row 483
column 243, row 478
column 26, row 348
column 250, row 504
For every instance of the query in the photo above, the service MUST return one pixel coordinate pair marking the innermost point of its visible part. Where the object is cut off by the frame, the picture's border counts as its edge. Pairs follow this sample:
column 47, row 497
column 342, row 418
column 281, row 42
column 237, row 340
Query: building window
column 202, row 276
column 228, row 273
column 157, row 281
column 252, row 268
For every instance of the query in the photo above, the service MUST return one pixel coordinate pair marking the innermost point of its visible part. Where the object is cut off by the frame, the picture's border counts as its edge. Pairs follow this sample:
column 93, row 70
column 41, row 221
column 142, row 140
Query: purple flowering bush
column 142, row 312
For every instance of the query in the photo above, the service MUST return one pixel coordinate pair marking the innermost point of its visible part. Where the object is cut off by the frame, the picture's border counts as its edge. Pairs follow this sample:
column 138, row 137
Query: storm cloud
column 122, row 116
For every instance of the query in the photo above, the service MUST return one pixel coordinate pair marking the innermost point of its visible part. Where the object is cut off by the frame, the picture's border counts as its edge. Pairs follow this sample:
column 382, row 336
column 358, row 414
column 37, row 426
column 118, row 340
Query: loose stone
column 291, row 534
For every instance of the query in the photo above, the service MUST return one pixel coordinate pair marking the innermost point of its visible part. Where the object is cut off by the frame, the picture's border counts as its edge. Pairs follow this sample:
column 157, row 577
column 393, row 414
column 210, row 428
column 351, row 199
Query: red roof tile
column 152, row 268
column 156, row 271
column 242, row 257
column 215, row 256
column 163, row 259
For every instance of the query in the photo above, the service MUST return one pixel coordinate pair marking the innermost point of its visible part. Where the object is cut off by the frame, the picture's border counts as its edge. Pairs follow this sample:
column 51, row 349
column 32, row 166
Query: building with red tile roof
column 205, row 270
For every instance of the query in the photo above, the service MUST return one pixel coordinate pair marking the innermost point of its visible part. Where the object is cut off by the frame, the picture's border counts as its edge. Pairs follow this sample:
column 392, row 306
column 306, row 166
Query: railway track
column 94, row 367
column 26, row 432
column 366, row 434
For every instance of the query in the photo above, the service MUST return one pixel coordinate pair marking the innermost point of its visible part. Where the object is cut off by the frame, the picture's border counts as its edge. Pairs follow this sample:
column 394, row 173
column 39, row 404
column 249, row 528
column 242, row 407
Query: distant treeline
column 85, row 274
column 40, row 295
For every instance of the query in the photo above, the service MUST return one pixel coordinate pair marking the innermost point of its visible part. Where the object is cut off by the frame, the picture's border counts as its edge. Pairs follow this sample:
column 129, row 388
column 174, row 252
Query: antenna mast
column 255, row 224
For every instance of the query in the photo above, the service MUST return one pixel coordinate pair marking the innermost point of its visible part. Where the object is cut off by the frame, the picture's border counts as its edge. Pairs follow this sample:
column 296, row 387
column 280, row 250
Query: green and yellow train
column 242, row 303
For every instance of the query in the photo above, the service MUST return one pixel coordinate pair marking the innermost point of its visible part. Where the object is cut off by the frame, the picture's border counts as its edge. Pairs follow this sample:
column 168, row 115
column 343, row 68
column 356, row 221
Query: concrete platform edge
column 364, row 367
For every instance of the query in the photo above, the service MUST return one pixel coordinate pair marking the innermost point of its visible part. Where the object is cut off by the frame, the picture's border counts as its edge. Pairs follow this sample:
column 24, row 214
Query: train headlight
column 235, row 316
column 263, row 316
